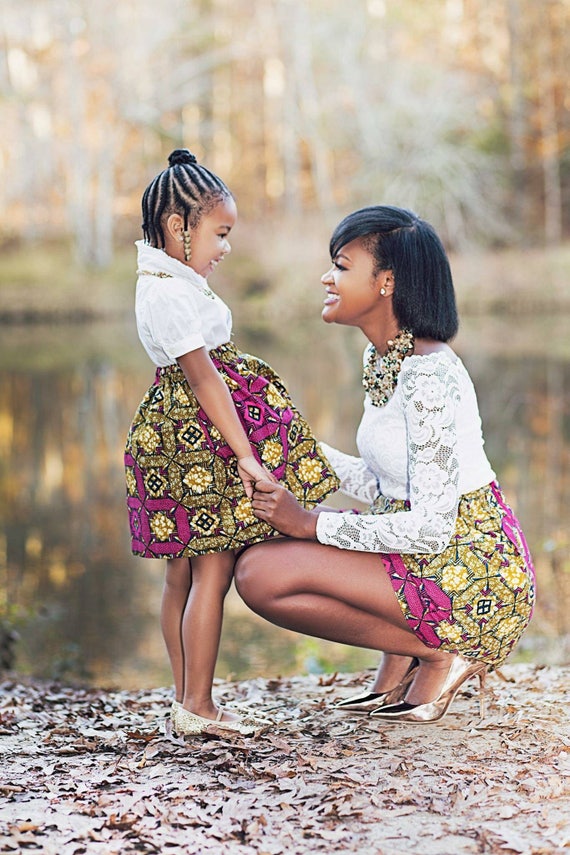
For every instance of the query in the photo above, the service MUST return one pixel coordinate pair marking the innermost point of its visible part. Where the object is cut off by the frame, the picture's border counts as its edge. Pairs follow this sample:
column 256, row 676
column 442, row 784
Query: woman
column 437, row 573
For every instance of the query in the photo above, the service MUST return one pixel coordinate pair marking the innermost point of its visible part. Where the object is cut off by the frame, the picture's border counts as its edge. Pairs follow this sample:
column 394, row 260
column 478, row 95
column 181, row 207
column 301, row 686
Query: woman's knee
column 251, row 578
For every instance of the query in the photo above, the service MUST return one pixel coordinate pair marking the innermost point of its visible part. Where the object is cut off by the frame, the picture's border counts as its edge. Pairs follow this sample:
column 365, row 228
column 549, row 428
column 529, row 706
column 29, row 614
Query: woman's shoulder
column 431, row 357
column 431, row 361
column 431, row 347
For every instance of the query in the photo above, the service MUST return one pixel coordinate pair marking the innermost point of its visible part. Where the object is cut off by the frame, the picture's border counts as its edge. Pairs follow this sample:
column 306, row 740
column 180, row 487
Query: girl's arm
column 214, row 397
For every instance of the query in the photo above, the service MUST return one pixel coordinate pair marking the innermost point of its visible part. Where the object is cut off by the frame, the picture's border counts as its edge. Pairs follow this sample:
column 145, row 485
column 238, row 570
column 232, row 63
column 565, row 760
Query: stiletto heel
column 460, row 671
column 482, row 693
column 368, row 701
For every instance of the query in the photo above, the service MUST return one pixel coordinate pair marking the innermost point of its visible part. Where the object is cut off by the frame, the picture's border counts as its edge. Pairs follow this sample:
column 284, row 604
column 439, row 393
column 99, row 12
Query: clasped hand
column 276, row 505
column 250, row 471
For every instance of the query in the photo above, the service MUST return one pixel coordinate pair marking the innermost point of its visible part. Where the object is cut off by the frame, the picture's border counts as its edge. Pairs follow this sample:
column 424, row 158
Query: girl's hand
column 250, row 471
column 277, row 506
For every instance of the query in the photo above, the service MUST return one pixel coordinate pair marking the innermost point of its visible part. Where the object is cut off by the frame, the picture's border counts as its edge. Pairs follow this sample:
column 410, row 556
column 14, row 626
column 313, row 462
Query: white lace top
column 175, row 308
column 425, row 445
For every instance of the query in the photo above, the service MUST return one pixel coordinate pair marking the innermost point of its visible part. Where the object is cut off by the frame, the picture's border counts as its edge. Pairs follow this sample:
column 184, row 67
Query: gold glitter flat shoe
column 460, row 671
column 174, row 712
column 366, row 702
column 189, row 724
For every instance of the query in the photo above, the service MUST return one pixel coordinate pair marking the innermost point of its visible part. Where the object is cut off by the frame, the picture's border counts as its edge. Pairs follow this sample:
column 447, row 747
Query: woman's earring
column 382, row 291
column 187, row 245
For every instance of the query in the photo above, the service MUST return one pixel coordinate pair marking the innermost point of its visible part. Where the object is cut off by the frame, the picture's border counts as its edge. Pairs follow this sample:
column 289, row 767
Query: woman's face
column 352, row 290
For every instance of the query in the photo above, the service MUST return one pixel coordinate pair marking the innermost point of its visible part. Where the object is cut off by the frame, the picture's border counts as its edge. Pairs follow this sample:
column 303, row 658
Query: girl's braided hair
column 184, row 187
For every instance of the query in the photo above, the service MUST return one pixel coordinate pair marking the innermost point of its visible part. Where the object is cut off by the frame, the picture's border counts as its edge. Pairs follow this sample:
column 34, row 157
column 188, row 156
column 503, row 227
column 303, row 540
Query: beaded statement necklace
column 163, row 275
column 380, row 372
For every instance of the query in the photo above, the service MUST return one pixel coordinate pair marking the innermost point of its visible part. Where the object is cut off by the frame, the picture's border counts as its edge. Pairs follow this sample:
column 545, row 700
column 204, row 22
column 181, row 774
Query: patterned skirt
column 476, row 597
column 184, row 494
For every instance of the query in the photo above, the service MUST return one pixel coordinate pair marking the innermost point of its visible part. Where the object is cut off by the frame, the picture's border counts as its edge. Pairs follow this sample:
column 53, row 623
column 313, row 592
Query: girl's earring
column 187, row 245
column 382, row 291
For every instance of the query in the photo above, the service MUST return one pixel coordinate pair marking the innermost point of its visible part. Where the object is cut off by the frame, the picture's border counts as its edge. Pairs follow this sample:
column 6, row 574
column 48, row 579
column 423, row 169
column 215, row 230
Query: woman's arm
column 356, row 479
column 430, row 400
column 215, row 399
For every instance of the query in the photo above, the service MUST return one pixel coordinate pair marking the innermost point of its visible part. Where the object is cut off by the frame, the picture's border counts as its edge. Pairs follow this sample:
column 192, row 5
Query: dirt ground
column 95, row 771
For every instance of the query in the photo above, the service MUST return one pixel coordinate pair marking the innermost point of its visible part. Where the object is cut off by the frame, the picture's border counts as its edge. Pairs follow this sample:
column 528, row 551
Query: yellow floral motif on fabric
column 513, row 576
column 131, row 481
column 161, row 526
column 450, row 631
column 181, row 396
column 198, row 479
column 309, row 470
column 147, row 438
column 274, row 398
column 272, row 453
column 244, row 512
column 454, row 578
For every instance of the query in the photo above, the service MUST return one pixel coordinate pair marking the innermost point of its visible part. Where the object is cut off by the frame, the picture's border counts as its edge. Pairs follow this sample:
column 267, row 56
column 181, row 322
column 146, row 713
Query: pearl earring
column 382, row 291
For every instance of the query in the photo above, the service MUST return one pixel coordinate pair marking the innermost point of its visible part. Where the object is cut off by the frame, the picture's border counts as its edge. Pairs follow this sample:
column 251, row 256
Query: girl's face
column 208, row 241
column 352, row 290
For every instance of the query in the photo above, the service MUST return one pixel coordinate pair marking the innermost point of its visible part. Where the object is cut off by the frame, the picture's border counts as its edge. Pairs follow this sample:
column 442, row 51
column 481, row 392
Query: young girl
column 213, row 423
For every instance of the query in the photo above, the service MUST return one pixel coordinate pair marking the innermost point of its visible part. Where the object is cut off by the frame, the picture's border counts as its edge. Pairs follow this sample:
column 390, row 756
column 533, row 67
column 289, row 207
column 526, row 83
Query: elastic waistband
column 223, row 351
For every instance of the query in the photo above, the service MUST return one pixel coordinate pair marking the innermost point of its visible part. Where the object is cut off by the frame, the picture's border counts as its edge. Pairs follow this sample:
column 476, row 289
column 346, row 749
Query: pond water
column 85, row 608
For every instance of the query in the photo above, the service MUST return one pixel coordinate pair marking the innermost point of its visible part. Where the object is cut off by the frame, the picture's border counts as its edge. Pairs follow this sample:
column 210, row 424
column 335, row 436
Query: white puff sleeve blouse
column 425, row 446
column 176, row 310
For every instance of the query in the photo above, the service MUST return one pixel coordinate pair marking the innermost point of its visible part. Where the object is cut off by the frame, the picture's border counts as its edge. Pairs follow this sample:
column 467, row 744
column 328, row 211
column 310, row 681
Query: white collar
column 153, row 260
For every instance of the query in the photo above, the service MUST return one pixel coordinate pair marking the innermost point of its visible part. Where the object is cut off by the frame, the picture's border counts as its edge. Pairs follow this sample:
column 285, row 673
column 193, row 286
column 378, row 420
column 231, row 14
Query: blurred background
column 459, row 109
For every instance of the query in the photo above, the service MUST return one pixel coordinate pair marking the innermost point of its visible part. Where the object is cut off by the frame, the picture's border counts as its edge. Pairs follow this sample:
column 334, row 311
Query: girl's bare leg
column 339, row 595
column 177, row 583
column 201, row 630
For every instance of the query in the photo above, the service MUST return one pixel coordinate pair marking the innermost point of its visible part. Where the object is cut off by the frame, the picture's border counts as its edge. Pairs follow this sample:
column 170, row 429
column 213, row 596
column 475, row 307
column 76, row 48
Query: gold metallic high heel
column 368, row 701
column 460, row 671
column 188, row 723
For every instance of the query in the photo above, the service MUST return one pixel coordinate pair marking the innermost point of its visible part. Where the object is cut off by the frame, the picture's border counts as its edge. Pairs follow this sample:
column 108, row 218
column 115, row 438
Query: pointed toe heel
column 366, row 702
column 460, row 671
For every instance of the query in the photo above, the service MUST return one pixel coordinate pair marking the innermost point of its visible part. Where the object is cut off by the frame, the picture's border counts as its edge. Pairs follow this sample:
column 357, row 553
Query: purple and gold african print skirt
column 184, row 494
column 477, row 596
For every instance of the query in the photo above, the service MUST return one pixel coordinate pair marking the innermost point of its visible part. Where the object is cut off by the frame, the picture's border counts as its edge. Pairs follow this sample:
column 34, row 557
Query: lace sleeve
column 356, row 479
column 430, row 394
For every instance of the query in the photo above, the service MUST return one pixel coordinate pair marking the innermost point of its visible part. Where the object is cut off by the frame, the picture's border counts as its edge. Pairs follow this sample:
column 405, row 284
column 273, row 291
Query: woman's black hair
column 398, row 240
column 184, row 188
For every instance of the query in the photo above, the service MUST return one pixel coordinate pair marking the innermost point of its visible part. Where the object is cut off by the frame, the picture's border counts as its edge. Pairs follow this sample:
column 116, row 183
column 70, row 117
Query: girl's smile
column 209, row 240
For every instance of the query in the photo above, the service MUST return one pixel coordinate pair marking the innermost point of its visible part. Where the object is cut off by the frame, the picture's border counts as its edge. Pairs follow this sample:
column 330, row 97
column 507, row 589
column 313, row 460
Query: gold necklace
column 380, row 373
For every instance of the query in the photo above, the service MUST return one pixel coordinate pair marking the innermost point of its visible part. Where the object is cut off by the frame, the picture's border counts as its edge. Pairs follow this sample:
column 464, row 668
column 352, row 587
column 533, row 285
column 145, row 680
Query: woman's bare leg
column 201, row 630
column 174, row 596
column 390, row 672
column 338, row 595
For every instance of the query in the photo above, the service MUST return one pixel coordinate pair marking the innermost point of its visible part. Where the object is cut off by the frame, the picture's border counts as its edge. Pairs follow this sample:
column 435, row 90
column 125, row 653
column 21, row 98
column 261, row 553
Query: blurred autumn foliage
column 457, row 108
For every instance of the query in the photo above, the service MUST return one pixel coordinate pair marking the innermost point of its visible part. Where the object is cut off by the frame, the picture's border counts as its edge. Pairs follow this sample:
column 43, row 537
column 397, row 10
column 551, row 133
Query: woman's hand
column 250, row 471
column 276, row 505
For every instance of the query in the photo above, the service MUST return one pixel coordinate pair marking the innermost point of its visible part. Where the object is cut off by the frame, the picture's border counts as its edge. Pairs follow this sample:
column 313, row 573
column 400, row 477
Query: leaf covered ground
column 95, row 771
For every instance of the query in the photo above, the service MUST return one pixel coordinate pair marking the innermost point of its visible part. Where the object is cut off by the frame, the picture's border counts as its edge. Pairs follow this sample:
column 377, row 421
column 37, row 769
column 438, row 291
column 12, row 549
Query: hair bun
column 181, row 156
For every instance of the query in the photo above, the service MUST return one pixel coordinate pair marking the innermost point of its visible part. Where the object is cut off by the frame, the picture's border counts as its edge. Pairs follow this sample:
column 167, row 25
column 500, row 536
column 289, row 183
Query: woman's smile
column 331, row 297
